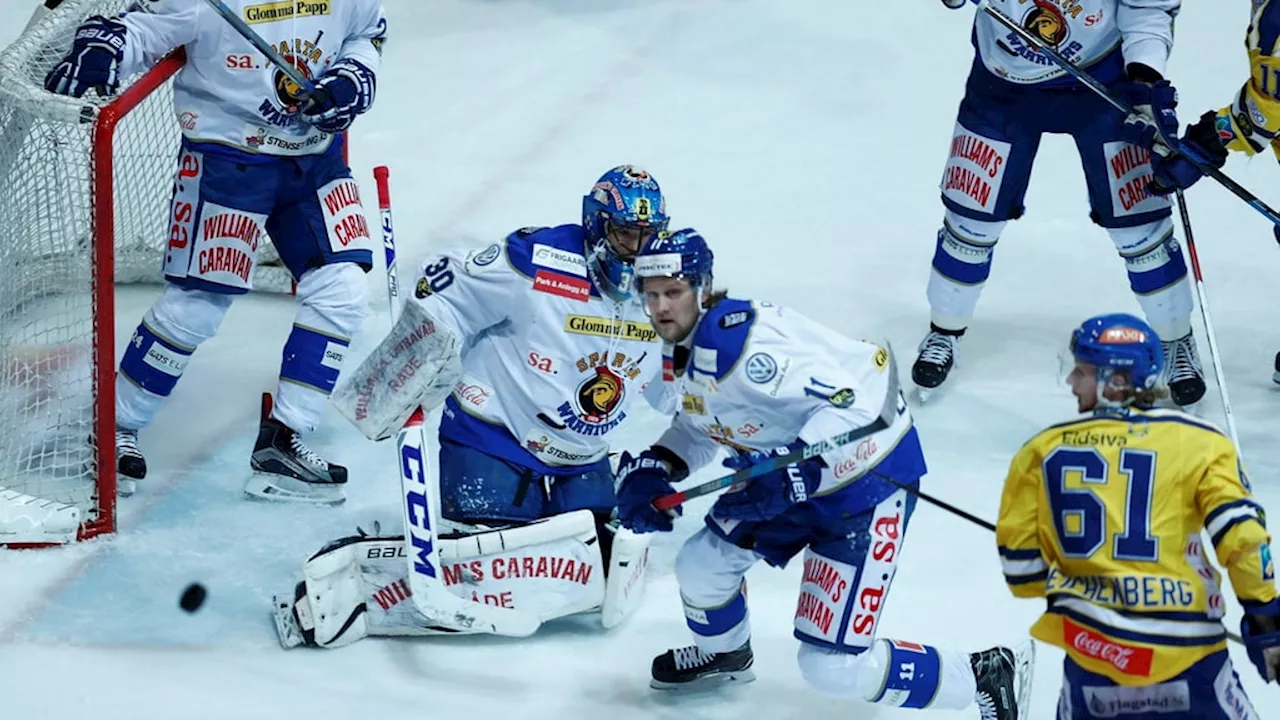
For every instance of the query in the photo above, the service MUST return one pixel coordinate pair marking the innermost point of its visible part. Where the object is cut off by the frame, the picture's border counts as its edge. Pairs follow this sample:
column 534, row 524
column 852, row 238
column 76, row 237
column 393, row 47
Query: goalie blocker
column 357, row 586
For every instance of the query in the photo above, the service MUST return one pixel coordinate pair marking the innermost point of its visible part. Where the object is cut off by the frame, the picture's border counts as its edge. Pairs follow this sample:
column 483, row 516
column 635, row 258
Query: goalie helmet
column 625, row 198
column 1119, row 342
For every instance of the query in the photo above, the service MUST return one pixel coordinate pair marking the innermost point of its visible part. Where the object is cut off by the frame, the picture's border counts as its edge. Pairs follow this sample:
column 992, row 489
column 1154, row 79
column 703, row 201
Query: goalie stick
column 893, row 406
column 420, row 500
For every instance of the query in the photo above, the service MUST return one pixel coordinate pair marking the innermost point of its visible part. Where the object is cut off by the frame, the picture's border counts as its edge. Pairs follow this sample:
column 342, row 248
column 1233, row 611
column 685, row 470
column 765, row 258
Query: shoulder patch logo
column 881, row 359
column 761, row 368
column 487, row 255
column 734, row 319
column 842, row 398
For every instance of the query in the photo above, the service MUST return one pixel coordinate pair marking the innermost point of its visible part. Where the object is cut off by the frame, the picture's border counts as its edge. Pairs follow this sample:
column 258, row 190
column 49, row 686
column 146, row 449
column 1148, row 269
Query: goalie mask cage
column 85, row 185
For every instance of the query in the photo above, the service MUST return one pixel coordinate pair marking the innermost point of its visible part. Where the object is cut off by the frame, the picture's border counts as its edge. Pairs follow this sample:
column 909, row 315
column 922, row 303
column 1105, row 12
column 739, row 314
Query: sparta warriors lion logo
column 596, row 400
column 287, row 91
column 1047, row 22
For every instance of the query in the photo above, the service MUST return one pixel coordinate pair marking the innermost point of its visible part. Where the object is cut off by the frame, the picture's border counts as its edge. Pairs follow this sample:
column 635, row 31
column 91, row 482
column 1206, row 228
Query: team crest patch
column 487, row 256
column 761, row 368
column 597, row 405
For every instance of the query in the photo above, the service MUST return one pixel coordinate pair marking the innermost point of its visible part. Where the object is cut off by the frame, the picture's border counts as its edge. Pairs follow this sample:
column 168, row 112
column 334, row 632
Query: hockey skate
column 1183, row 371
column 1275, row 376
column 286, row 469
column 131, row 466
column 689, row 668
column 937, row 357
column 1004, row 681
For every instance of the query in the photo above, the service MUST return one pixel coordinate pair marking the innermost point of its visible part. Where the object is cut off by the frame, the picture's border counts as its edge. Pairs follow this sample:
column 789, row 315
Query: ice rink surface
column 805, row 139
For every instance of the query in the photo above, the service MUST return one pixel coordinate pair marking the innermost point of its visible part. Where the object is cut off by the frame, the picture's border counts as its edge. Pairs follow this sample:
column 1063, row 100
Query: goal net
column 86, row 187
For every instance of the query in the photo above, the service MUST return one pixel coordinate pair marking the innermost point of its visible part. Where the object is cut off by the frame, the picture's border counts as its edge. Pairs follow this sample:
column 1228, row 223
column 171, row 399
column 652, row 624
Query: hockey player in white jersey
column 538, row 352
column 259, row 156
column 1014, row 95
column 762, row 381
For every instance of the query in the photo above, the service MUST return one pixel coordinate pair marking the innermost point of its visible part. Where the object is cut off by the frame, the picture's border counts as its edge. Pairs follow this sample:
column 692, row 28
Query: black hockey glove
column 93, row 62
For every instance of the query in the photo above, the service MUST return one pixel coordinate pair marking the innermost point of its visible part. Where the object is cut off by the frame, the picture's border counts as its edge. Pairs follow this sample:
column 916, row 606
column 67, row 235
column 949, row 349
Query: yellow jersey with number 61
column 1102, row 516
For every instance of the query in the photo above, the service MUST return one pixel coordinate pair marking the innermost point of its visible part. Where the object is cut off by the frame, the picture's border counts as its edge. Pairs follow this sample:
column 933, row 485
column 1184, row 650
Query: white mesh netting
column 48, row 323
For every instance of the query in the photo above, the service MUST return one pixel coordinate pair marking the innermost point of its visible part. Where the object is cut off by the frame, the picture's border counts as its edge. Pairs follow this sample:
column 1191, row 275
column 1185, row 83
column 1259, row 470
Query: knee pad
column 840, row 674
column 709, row 569
column 169, row 333
column 332, row 299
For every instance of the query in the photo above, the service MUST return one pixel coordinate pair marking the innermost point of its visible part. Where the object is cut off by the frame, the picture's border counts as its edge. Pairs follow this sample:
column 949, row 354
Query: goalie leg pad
column 624, row 581
column 550, row 568
column 415, row 365
column 335, row 595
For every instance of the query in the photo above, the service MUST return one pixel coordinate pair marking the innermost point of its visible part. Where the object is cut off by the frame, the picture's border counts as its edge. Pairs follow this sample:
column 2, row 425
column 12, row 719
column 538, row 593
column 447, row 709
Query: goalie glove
column 93, row 62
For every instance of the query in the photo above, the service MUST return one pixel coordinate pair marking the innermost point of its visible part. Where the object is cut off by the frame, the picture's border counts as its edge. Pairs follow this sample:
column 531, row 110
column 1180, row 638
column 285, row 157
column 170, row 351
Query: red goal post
column 85, row 185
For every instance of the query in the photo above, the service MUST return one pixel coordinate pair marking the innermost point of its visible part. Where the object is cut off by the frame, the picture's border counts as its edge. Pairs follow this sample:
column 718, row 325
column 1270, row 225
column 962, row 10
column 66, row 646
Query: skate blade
column 707, row 682
column 923, row 393
column 125, row 486
column 280, row 488
column 1024, row 665
column 1275, row 377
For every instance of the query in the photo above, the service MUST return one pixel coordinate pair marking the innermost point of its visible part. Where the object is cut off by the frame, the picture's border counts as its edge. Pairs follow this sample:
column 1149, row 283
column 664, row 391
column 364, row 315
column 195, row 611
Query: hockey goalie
column 537, row 353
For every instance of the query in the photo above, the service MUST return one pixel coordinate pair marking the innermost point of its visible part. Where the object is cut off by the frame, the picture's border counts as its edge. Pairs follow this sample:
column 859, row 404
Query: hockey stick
column 294, row 74
column 1215, row 358
column 1168, row 144
column 420, row 500
column 944, row 505
column 893, row 406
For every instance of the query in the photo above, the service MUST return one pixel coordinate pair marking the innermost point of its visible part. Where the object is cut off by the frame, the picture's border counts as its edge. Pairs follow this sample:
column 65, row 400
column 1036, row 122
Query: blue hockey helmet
column 683, row 254
column 1119, row 342
column 627, row 201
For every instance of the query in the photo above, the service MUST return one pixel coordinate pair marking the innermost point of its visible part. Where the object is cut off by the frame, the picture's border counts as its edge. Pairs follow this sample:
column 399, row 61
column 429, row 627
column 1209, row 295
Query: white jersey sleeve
column 365, row 43
column 159, row 26
column 1146, row 27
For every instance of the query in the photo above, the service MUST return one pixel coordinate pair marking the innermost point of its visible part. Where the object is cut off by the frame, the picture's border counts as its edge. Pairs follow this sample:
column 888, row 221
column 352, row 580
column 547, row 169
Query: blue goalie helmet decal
column 624, row 210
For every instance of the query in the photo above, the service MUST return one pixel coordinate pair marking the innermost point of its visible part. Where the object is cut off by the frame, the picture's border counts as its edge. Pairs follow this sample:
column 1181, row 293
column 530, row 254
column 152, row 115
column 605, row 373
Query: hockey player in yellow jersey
column 1102, row 516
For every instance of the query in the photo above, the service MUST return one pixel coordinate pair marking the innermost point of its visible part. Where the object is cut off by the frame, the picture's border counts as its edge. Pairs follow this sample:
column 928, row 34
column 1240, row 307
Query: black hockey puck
column 192, row 598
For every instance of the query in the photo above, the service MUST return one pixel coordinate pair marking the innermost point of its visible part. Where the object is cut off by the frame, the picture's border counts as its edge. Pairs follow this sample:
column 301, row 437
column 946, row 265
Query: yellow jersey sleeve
column 1252, row 121
column 1236, row 525
column 1018, row 527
